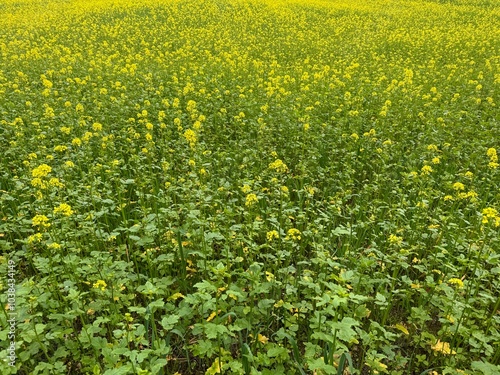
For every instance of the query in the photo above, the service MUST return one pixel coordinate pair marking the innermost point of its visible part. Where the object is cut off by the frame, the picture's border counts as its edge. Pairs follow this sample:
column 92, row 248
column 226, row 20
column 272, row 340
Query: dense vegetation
column 250, row 187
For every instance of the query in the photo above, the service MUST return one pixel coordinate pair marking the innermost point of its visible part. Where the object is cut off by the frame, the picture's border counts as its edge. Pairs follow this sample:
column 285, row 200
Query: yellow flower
column 436, row 160
column 278, row 166
column 393, row 239
column 245, row 188
column 60, row 148
column 37, row 237
column 251, row 199
column 66, row 130
column 64, row 209
column 293, row 234
column 190, row 136
column 55, row 182
column 271, row 235
column 37, row 182
column 458, row 186
column 443, row 347
column 40, row 221
column 69, row 164
column 492, row 154
column 426, row 169
column 97, row 127
column 490, row 213
column 54, row 246
column 458, row 282
column 41, row 171
column 49, row 112
column 432, row 147
column 100, row 284
column 262, row 339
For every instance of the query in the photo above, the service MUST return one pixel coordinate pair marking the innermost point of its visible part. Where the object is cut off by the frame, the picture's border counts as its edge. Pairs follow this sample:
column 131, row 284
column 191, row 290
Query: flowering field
column 250, row 187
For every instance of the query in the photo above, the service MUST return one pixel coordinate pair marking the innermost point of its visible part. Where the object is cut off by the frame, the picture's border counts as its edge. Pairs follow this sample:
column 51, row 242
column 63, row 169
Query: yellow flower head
column 41, row 171
column 245, row 188
column 100, row 284
column 64, row 209
column 393, row 239
column 60, row 148
column 458, row 186
column 293, row 234
column 278, row 166
column 443, row 347
column 492, row 154
column 251, row 199
column 40, row 221
column 55, row 182
column 426, row 169
column 491, row 215
column 190, row 136
column 271, row 235
column 458, row 282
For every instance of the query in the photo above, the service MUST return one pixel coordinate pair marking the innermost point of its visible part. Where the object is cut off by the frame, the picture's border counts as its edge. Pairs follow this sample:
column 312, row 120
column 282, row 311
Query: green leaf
column 169, row 322
column 486, row 368
column 212, row 330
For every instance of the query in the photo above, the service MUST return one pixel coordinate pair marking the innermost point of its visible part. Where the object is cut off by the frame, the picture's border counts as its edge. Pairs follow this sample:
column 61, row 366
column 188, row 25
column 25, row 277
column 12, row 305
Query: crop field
column 250, row 187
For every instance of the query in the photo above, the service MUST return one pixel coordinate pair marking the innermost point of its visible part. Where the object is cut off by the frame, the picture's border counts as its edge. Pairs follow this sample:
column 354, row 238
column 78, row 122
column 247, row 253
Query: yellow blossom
column 64, row 209
column 37, row 237
column 190, row 136
column 41, row 171
column 293, row 234
column 458, row 282
column 443, row 347
column 251, row 199
column 426, row 169
column 245, row 188
column 60, row 148
column 55, row 182
column 40, row 221
column 271, row 235
column 100, row 284
column 393, row 239
column 278, row 166
column 262, row 339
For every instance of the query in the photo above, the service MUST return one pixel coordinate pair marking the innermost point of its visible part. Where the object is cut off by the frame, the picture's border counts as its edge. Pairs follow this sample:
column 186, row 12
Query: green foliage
column 250, row 187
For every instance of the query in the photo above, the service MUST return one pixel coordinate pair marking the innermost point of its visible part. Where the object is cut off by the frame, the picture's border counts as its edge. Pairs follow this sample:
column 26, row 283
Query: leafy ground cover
column 250, row 187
